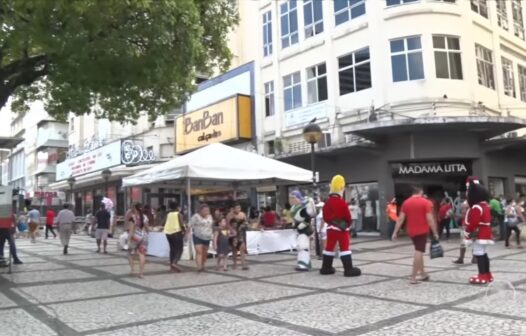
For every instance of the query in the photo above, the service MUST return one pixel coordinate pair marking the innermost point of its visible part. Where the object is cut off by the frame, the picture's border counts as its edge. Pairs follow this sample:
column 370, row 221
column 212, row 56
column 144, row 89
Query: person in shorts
column 417, row 214
column 103, row 219
column 34, row 223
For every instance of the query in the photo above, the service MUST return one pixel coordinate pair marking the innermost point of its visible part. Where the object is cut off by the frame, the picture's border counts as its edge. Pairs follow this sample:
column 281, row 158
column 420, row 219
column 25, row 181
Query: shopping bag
column 436, row 250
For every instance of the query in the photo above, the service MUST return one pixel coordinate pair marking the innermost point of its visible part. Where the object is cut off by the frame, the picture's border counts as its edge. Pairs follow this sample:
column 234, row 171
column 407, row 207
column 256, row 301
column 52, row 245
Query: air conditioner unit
column 325, row 141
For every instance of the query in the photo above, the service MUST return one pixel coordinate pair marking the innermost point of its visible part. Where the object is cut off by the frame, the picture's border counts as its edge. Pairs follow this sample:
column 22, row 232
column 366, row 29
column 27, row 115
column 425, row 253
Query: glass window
column 518, row 23
column 406, row 59
column 267, row 33
column 345, row 10
column 502, row 14
column 398, row 2
column 448, row 62
column 313, row 17
column 269, row 99
column 292, row 91
column 354, row 71
column 485, row 73
column 508, row 77
column 316, row 83
column 364, row 205
column 289, row 23
column 522, row 83
column 480, row 6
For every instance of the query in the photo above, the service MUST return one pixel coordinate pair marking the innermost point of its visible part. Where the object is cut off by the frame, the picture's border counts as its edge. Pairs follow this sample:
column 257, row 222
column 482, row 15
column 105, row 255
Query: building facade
column 405, row 91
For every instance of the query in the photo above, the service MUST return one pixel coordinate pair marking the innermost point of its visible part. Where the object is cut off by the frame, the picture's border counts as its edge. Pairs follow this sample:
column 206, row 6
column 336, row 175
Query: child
column 22, row 225
column 221, row 243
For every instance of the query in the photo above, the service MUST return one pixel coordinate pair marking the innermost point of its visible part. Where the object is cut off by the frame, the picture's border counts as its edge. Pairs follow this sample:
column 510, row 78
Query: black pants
column 49, row 228
column 176, row 246
column 5, row 234
column 517, row 234
column 444, row 224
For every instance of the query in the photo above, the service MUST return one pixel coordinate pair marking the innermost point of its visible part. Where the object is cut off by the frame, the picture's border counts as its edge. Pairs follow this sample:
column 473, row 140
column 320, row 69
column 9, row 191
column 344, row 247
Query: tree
column 115, row 58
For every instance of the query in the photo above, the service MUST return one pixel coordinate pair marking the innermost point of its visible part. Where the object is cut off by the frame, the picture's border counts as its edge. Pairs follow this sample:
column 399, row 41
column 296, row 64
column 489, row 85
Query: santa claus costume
column 338, row 218
column 478, row 229
column 302, row 212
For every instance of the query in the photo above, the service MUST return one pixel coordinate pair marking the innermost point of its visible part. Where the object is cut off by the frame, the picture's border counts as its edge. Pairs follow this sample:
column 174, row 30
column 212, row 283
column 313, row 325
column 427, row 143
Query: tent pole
column 188, row 209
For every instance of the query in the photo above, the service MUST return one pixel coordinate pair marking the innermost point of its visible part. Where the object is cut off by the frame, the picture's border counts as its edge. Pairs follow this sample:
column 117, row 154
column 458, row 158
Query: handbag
column 436, row 250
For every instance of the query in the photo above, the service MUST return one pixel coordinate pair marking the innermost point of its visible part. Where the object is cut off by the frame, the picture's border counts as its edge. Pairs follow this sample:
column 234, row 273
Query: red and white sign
column 98, row 159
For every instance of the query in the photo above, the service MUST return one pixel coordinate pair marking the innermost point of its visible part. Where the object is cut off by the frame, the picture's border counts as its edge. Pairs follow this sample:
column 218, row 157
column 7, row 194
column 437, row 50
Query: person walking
column 34, row 222
column 64, row 220
column 174, row 230
column 497, row 216
column 444, row 217
column 103, row 221
column 513, row 216
column 221, row 244
column 392, row 215
column 137, row 238
column 461, row 218
column 417, row 214
column 7, row 227
column 50, row 221
column 238, row 221
column 202, row 224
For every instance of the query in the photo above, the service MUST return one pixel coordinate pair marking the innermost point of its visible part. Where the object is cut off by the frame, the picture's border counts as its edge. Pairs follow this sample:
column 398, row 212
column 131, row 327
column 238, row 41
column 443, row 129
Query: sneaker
column 458, row 262
column 18, row 262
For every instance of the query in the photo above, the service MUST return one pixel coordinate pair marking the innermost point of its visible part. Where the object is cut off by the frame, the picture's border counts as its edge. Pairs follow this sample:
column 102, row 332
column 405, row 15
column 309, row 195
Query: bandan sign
column 431, row 168
column 227, row 120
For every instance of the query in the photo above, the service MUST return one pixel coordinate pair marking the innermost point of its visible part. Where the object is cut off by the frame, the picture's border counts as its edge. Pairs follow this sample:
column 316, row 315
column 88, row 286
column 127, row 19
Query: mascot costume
column 338, row 218
column 302, row 212
column 478, row 229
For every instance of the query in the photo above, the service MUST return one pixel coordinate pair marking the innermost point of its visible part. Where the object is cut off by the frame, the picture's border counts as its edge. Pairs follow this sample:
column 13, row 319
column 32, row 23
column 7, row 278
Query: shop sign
column 135, row 153
column 227, row 120
column 98, row 159
column 304, row 115
column 90, row 144
column 431, row 168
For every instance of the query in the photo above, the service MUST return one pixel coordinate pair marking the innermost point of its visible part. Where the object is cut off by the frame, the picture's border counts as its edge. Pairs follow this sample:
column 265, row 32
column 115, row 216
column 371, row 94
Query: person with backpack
column 513, row 216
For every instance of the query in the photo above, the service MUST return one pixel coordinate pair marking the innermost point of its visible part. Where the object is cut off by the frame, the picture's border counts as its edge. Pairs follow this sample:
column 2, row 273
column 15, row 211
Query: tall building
column 405, row 91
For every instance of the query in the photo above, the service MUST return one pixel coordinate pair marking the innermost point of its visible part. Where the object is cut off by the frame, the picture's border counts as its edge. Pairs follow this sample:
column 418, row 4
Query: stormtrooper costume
column 303, row 211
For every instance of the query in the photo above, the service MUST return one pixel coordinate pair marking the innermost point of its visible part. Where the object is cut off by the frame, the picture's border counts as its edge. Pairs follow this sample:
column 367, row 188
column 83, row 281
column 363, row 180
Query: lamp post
column 71, row 182
column 312, row 134
column 106, row 174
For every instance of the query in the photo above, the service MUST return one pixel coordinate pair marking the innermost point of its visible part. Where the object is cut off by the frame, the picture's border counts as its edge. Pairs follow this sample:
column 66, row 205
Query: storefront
column 439, row 157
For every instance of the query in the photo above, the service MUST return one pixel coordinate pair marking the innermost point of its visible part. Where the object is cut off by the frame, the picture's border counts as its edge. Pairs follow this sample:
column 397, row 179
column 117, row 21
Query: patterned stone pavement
column 85, row 293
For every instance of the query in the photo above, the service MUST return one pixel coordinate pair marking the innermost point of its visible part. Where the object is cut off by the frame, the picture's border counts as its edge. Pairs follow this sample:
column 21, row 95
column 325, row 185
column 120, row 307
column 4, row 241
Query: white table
column 258, row 242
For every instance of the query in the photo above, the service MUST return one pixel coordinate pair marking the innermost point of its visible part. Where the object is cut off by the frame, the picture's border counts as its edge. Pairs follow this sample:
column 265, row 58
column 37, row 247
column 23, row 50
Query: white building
column 395, row 83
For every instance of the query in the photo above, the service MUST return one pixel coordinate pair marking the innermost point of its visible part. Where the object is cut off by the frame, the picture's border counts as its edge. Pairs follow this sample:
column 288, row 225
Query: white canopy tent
column 216, row 165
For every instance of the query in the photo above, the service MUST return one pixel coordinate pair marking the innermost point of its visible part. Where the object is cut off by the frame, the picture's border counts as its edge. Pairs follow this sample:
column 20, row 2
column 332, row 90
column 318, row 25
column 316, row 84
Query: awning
column 9, row 142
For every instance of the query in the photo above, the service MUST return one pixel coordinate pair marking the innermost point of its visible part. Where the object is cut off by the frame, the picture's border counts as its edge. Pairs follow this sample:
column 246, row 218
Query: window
column 289, row 23
column 313, row 17
column 355, row 71
column 398, row 2
column 480, row 6
column 448, row 63
column 485, row 66
column 518, row 23
column 270, row 147
column 345, row 10
column 406, row 59
column 508, row 77
column 522, row 83
column 292, row 91
column 267, row 33
column 502, row 14
column 316, row 83
column 269, row 99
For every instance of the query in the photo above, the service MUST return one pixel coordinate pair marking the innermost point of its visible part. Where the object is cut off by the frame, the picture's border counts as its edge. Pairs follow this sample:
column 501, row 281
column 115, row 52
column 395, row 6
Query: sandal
column 414, row 282
column 425, row 278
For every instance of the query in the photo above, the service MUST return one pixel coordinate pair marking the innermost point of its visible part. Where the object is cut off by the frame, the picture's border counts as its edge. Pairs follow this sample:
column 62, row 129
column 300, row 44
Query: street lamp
column 106, row 174
column 71, row 182
column 312, row 134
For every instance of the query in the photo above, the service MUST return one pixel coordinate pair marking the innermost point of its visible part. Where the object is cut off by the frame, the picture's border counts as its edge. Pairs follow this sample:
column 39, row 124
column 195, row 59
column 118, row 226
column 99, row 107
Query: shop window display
column 366, row 195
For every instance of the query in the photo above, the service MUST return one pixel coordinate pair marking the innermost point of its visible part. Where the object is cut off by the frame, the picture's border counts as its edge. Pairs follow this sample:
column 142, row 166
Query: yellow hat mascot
column 338, row 218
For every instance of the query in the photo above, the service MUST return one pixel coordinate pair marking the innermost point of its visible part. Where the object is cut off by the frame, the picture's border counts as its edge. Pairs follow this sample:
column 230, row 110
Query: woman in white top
column 202, row 232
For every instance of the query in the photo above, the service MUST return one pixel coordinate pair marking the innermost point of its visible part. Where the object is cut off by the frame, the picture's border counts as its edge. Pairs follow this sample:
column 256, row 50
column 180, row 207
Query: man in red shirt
column 269, row 218
column 417, row 213
column 50, row 219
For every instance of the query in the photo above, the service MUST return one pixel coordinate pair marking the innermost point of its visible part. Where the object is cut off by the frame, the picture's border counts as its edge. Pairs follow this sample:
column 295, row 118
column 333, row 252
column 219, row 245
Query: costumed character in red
column 338, row 218
column 478, row 229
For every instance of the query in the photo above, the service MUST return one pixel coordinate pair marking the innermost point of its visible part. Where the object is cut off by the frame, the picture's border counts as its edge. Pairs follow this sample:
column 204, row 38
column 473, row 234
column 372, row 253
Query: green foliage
column 115, row 58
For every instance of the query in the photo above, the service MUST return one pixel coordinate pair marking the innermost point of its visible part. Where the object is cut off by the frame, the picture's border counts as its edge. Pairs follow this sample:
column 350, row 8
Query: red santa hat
column 472, row 180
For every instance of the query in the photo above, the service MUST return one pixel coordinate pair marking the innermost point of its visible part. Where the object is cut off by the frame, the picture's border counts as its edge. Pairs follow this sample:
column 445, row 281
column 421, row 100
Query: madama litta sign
column 431, row 168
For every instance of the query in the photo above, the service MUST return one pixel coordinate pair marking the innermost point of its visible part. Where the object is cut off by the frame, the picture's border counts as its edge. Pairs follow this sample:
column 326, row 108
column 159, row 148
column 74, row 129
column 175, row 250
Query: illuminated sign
column 227, row 120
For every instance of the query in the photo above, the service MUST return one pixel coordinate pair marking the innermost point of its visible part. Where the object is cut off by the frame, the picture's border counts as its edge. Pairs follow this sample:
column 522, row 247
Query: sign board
column 304, row 115
column 101, row 158
column 227, row 120
column 431, row 168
